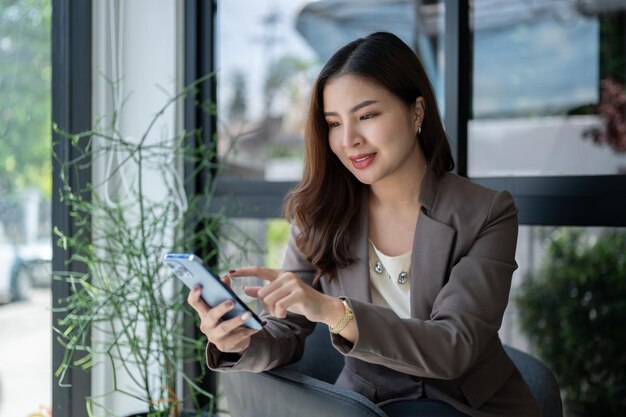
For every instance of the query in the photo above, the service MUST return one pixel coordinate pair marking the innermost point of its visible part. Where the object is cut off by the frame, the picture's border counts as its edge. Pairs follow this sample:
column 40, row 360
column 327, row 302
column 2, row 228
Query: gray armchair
column 306, row 388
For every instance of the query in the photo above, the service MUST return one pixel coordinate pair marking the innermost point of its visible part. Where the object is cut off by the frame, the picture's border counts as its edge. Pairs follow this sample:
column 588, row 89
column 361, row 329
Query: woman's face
column 372, row 132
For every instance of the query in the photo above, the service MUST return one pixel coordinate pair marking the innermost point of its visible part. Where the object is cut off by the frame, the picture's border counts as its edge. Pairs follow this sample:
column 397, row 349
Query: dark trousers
column 421, row 408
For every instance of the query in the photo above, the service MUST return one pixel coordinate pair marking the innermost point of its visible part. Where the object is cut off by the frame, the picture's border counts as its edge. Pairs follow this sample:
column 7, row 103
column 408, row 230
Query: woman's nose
column 351, row 136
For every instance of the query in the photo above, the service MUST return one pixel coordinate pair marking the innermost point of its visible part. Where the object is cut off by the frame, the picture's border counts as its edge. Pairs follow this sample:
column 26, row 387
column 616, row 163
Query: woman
column 409, row 266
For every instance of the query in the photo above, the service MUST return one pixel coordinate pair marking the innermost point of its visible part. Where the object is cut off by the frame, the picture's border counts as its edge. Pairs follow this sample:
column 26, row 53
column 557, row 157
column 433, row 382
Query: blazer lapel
column 429, row 261
column 354, row 279
column 432, row 244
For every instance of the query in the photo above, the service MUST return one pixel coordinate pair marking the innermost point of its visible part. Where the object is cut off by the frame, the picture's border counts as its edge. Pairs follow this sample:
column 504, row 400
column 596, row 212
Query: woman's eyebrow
column 353, row 109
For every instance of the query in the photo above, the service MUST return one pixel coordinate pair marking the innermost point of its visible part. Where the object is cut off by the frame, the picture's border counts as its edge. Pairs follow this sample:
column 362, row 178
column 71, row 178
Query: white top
column 384, row 287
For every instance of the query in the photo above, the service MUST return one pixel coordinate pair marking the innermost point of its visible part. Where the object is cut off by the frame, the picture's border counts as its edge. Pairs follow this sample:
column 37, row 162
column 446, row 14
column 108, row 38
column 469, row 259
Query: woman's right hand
column 227, row 335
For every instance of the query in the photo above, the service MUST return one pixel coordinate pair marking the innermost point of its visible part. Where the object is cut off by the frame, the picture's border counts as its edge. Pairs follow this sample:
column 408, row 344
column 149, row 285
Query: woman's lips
column 362, row 160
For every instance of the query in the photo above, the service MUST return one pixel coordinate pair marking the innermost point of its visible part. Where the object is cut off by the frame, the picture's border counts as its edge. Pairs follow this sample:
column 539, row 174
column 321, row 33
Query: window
column 551, row 109
column 268, row 55
column 25, row 190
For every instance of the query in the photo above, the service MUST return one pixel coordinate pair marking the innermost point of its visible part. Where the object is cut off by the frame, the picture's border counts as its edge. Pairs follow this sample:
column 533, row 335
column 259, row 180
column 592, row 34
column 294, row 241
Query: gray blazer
column 462, row 261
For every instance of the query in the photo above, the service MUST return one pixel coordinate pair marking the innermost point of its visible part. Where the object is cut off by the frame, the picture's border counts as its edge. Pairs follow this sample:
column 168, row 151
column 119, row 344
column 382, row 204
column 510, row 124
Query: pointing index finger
column 267, row 274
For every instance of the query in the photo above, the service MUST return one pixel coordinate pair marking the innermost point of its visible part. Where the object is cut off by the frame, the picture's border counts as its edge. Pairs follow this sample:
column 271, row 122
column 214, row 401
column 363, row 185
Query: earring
column 419, row 130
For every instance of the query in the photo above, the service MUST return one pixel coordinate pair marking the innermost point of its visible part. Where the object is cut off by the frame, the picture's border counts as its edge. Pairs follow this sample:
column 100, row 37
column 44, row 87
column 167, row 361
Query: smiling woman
column 378, row 130
column 397, row 256
column 348, row 85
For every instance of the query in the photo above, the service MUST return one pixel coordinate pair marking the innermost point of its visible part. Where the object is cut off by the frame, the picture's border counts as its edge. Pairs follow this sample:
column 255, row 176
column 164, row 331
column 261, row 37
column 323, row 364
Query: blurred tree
column 279, row 73
column 571, row 308
column 237, row 108
column 25, row 95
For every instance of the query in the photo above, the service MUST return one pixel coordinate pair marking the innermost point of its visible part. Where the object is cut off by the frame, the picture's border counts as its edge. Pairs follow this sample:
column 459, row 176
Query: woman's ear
column 418, row 112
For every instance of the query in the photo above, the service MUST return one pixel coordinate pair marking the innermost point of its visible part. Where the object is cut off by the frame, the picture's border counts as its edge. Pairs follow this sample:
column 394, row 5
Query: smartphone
column 191, row 271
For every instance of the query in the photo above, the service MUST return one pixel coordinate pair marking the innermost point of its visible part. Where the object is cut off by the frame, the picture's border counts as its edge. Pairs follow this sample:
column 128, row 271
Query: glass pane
column 268, row 55
column 548, row 88
column 567, row 307
column 25, row 183
column 249, row 242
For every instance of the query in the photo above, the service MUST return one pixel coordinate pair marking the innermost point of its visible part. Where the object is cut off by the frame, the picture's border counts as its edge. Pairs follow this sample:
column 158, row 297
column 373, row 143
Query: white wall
column 139, row 44
column 539, row 146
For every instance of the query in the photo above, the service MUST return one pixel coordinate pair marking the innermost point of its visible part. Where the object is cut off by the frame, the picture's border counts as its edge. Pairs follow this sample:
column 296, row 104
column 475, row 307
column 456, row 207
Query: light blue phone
column 191, row 271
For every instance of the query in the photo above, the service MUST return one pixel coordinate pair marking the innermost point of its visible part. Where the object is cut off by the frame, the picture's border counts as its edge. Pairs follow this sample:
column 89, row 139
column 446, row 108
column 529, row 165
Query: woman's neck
column 401, row 190
column 393, row 211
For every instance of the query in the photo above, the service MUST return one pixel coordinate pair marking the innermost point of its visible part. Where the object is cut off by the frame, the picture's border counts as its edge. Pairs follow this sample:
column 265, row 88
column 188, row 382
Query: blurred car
column 23, row 267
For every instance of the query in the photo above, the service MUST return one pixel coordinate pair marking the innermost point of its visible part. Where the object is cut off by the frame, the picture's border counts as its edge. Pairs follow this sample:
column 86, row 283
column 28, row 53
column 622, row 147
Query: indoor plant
column 126, row 298
column 573, row 309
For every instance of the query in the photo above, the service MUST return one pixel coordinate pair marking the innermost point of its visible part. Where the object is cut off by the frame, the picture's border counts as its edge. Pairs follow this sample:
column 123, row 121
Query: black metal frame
column 458, row 79
column 250, row 199
column 566, row 201
column 199, row 59
column 71, row 111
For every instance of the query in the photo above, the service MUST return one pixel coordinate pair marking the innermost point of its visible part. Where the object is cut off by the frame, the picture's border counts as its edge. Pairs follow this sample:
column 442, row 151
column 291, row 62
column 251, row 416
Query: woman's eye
column 333, row 124
column 367, row 116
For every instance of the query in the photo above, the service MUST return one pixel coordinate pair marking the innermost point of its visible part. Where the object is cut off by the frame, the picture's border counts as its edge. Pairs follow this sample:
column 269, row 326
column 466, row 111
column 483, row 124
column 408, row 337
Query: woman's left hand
column 285, row 292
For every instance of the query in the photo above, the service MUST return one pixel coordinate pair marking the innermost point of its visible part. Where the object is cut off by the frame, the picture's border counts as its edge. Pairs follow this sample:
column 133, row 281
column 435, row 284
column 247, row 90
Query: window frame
column 199, row 60
column 71, row 111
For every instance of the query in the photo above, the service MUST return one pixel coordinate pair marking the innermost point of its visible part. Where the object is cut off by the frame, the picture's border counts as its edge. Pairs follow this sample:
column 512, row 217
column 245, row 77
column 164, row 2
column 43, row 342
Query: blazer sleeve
column 281, row 341
column 466, row 313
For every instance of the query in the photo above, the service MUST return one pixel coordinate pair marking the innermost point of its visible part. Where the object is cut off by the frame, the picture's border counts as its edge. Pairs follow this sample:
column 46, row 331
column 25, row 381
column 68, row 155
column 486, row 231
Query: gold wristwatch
column 347, row 317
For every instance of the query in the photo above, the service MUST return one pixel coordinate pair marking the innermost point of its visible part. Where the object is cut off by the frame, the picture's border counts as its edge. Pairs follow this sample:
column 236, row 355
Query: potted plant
column 127, row 299
column 573, row 309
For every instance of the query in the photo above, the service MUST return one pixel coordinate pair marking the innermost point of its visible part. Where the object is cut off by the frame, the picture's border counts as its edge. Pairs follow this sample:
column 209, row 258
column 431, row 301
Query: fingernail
column 230, row 303
column 197, row 288
column 232, row 271
column 246, row 316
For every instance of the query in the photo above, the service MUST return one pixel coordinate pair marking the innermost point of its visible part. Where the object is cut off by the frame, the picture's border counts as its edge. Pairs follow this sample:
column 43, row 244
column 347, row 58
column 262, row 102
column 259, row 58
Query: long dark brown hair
column 326, row 203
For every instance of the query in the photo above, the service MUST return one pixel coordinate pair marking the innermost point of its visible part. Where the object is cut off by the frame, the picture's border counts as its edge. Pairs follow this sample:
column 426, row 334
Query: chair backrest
column 541, row 381
column 320, row 360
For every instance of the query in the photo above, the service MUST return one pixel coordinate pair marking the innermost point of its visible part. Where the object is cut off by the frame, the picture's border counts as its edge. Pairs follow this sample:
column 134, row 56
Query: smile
column 362, row 160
